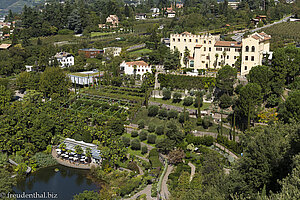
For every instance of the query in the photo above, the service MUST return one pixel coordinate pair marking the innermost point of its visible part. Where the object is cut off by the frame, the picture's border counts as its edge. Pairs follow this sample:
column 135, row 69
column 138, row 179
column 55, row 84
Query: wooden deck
column 72, row 164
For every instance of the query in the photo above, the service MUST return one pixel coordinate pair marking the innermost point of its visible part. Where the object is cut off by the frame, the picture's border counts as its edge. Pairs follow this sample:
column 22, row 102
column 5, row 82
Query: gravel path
column 146, row 191
column 164, row 187
column 193, row 169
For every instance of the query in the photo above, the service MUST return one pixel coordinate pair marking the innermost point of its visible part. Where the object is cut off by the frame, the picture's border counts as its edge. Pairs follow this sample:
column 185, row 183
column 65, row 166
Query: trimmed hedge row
column 185, row 82
column 231, row 145
column 154, row 159
column 197, row 140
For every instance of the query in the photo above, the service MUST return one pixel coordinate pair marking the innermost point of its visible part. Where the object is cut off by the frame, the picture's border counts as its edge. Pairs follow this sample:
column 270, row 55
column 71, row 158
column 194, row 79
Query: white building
column 154, row 10
column 140, row 16
column 171, row 14
column 65, row 59
column 208, row 52
column 116, row 51
column 29, row 68
column 85, row 78
column 135, row 68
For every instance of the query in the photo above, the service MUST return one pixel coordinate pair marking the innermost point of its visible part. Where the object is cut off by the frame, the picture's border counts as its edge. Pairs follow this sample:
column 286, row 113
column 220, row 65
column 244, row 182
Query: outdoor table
column 66, row 156
column 74, row 158
column 63, row 154
column 58, row 150
column 70, row 157
column 58, row 153
column 82, row 160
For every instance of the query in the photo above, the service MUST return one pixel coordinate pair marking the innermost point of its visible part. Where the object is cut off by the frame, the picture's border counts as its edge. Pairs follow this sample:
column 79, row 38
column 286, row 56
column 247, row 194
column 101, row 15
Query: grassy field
column 169, row 102
column 140, row 52
column 99, row 34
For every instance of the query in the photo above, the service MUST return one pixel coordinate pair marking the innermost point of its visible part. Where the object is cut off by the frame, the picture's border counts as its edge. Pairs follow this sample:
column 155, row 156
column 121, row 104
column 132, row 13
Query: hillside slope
column 16, row 5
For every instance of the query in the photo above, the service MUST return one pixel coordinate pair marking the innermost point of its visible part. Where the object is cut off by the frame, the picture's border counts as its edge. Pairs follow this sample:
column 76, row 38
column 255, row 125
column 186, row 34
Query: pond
column 65, row 183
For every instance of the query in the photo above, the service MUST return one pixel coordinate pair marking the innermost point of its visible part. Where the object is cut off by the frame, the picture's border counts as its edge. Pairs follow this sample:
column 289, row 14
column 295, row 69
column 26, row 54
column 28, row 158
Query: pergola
column 71, row 144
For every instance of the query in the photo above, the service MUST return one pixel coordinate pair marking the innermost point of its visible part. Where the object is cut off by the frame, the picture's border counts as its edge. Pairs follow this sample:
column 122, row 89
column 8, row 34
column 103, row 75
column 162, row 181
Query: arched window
column 246, row 68
column 247, row 48
column 253, row 48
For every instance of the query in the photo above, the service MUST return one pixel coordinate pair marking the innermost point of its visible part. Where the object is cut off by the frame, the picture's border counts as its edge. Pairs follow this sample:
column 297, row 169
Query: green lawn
column 169, row 102
column 140, row 52
column 98, row 34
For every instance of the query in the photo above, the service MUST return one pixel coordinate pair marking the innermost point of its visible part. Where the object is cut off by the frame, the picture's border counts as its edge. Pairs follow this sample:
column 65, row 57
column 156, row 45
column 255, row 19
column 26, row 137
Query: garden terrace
column 95, row 106
column 116, row 94
column 185, row 82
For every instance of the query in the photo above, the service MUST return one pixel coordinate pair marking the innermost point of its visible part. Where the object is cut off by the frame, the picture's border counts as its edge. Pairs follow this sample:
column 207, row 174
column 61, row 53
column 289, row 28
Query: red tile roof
column 228, row 44
column 137, row 63
column 5, row 46
column 261, row 36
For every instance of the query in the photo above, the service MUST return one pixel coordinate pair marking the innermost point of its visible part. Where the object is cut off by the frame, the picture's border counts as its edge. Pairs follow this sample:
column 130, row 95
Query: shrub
column 136, row 144
column 187, row 101
column 143, row 135
column 163, row 113
column 126, row 141
column 151, row 138
column 134, row 134
column 141, row 124
column 151, row 128
column 152, row 111
column 166, row 94
column 206, row 122
column 130, row 186
column 176, row 97
column 232, row 145
column 160, row 130
column 144, row 150
column 197, row 140
column 184, row 116
column 199, row 121
column 133, row 166
column 153, row 158
column 172, row 114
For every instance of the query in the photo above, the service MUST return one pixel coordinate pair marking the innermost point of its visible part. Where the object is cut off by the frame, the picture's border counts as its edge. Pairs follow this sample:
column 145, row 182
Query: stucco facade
column 208, row 52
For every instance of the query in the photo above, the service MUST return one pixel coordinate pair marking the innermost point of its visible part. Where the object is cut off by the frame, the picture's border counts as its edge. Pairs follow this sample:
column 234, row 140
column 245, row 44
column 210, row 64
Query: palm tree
column 63, row 146
column 88, row 153
column 216, row 61
column 224, row 58
column 134, row 71
column 78, row 149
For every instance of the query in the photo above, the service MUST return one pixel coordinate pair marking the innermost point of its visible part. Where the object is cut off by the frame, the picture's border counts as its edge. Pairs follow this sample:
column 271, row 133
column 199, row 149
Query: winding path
column 193, row 169
column 164, row 187
column 146, row 191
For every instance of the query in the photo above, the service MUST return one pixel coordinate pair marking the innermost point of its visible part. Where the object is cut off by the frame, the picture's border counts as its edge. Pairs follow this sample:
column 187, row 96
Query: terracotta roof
column 261, row 36
column 228, row 44
column 5, row 46
column 137, row 63
column 185, row 33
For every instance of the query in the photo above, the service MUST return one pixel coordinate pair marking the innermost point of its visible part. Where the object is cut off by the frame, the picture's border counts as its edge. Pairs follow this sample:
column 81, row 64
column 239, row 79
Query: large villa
column 209, row 52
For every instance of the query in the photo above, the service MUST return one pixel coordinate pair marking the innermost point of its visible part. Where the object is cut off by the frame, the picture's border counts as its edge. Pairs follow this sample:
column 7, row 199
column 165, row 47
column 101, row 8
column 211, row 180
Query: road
column 238, row 36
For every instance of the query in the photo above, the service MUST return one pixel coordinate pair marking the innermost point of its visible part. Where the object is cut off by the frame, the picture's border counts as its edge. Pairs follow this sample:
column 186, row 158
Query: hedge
column 197, row 140
column 154, row 159
column 185, row 82
column 231, row 145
